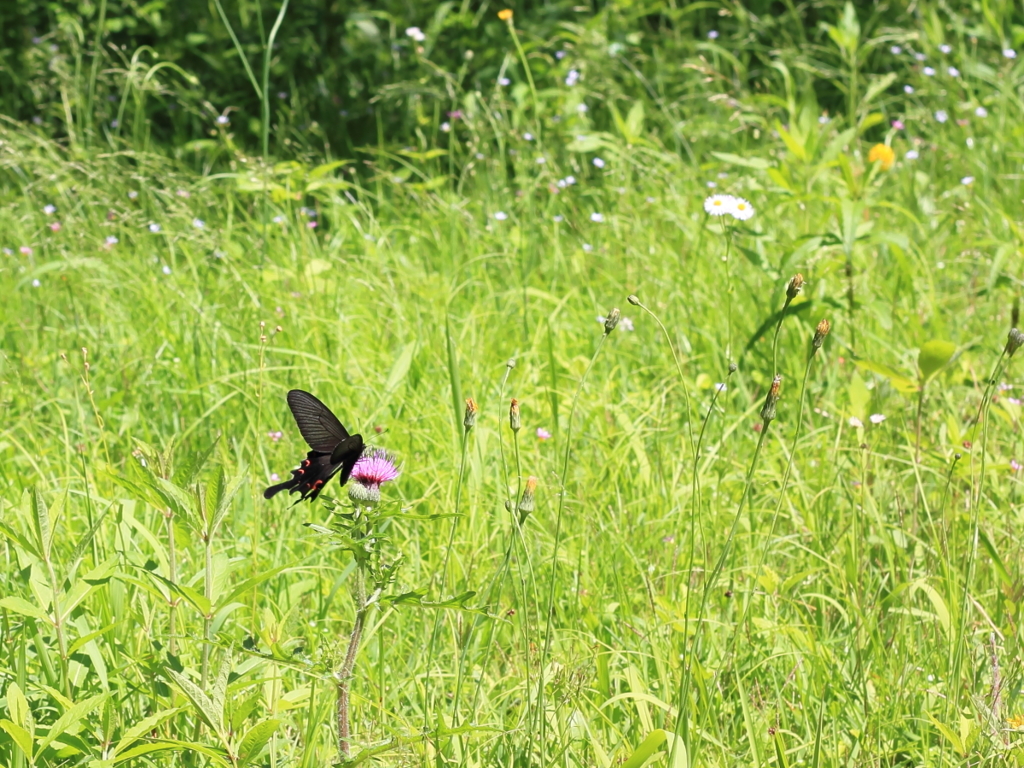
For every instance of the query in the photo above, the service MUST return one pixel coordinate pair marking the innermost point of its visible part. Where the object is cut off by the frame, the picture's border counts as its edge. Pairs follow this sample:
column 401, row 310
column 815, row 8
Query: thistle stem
column 344, row 674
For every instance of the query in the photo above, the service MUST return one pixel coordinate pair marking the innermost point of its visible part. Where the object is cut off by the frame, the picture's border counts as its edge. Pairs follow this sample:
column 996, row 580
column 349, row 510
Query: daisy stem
column 729, row 289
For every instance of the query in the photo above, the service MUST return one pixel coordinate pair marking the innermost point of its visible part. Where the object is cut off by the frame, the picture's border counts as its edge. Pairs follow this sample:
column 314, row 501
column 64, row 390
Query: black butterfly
column 334, row 449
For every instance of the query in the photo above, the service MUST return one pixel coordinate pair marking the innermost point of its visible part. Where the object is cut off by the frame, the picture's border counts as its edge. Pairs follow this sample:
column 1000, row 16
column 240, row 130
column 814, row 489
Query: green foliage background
column 155, row 609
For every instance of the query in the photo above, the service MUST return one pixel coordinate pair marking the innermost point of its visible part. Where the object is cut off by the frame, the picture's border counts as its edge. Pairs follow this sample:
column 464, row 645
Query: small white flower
column 928, row 71
column 912, row 154
column 721, row 387
column 49, row 210
column 500, row 216
column 741, row 209
column 908, row 89
column 1009, row 53
column 582, row 108
column 896, row 50
column 598, row 162
column 480, row 155
column 967, row 180
column 969, row 142
column 222, row 120
column 713, row 34
column 941, row 115
column 650, row 199
column 278, row 219
column 569, row 180
column 36, row 283
column 528, row 136
column 823, row 119
column 132, row 194
column 953, row 72
column 920, row 56
column 712, row 184
column 572, row 78
column 274, row 477
column 166, row 270
column 560, row 55
column 719, row 205
column 111, row 240
column 597, row 217
column 945, row 48
column 503, row 81
column 981, row 112
column 588, row 247
column 855, row 422
column 198, row 223
column 445, row 127
column 541, row 160
column 154, row 228
column 626, row 324
column 559, row 218
column 876, row 418
column 416, row 34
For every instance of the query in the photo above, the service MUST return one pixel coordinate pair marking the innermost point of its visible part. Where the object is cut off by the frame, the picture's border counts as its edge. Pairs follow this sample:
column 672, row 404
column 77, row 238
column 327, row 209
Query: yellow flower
column 505, row 14
column 883, row 154
column 1016, row 722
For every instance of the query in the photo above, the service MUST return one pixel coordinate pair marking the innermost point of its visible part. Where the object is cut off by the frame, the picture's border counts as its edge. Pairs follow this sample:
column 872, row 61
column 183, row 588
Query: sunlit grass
column 841, row 590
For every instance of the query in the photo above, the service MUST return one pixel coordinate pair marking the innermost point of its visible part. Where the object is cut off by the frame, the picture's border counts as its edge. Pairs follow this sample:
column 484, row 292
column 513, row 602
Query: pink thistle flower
column 374, row 468
column 543, row 434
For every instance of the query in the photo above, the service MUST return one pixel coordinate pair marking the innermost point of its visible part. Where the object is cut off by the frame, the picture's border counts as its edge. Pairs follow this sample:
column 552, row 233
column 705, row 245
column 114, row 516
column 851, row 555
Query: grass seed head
column 1014, row 341
column 612, row 320
column 469, row 421
column 795, row 284
column 770, row 402
column 820, row 333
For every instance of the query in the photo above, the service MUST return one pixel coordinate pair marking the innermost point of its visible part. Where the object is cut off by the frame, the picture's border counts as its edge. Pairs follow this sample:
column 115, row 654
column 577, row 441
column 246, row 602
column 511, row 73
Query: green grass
column 868, row 604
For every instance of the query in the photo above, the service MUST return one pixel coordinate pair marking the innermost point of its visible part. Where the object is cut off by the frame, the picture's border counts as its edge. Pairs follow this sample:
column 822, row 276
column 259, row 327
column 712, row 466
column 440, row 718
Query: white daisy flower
column 929, row 71
column 981, row 112
column 597, row 217
column 742, row 209
column 876, row 418
column 719, row 205
column 941, row 115
column 855, row 422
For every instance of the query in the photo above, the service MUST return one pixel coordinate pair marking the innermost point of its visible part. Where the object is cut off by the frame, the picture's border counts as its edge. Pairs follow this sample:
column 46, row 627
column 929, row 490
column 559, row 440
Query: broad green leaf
column 654, row 742
column 18, row 709
column 41, row 516
column 255, row 739
column 941, row 610
column 202, row 703
column 859, row 396
column 877, row 86
column 757, row 163
column 70, row 719
column 635, row 122
column 226, row 496
column 323, row 170
column 142, row 728
column 24, row 607
column 952, row 737
column 20, row 736
column 899, row 381
column 933, row 357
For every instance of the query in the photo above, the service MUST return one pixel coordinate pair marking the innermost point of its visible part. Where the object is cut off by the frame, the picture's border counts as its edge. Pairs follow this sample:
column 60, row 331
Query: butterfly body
column 334, row 450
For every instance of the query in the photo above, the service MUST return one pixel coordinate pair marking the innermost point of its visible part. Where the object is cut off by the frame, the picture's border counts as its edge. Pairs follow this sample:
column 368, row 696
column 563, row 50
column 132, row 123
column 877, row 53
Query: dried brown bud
column 526, row 503
column 470, row 419
column 820, row 333
column 612, row 320
column 768, row 411
column 514, row 421
column 795, row 284
column 633, row 299
column 1014, row 341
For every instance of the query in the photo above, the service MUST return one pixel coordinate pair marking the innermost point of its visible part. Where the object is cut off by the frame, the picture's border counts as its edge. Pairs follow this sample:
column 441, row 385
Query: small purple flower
column 373, row 469
column 49, row 210
column 55, row 226
column 275, row 435
column 25, row 250
column 598, row 162
column 1015, row 465
column 455, row 114
column 311, row 224
column 503, row 81
column 543, row 434
column 274, row 477
column 929, row 71
column 713, row 34
column 898, row 125
column 908, row 89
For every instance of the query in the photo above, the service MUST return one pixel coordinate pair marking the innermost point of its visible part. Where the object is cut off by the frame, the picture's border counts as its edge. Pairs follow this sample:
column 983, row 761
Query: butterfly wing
column 346, row 454
column 319, row 427
column 309, row 478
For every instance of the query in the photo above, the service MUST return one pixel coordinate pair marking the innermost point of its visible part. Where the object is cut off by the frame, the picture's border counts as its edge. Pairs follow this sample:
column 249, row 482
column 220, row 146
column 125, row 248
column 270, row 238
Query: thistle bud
column 768, row 411
column 1014, row 341
column 795, row 284
column 819, row 334
column 633, row 299
column 514, row 421
column 511, row 363
column 733, row 368
column 470, row 419
column 526, row 504
column 612, row 320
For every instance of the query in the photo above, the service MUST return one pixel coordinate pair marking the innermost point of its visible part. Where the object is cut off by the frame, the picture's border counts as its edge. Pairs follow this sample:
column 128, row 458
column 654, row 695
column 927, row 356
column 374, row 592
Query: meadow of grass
column 700, row 581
